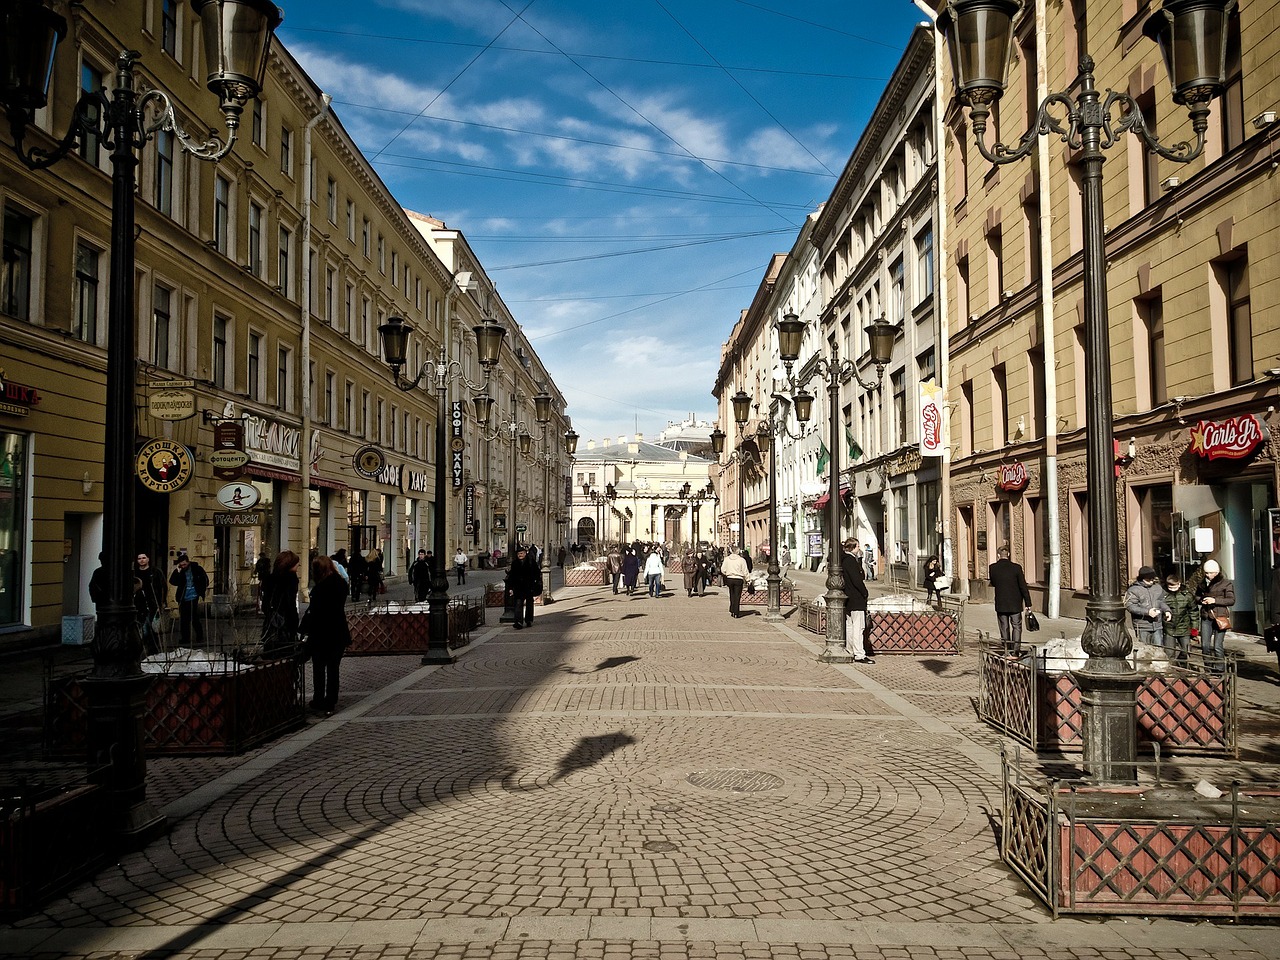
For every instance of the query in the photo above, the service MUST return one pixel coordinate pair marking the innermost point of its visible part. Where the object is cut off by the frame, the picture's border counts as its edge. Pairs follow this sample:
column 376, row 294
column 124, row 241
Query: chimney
column 622, row 439
column 591, row 444
column 639, row 437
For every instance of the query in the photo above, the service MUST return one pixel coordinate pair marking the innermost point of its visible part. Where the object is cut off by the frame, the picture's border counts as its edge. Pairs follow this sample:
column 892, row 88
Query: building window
column 164, row 172
column 331, row 295
column 15, row 282
column 995, row 267
column 927, row 366
column 1039, row 395
column 382, row 255
column 88, row 261
column 1232, row 101
column 91, row 81
column 364, row 238
column 221, row 212
column 349, row 406
column 966, row 418
column 1078, row 525
column 1031, row 236
column 162, row 326
column 999, row 406
column 169, row 27
column 255, row 239
column 286, row 151
column 391, row 424
column 364, row 413
column 1037, row 551
column 254, row 376
column 899, row 384
column 282, row 378
column 1234, row 275
column 13, row 527
column 219, row 372
column 927, row 500
column 351, row 221
column 330, row 387
column 255, row 121
column 1150, row 355
column 332, row 197
column 350, row 312
column 962, row 291
column 395, row 266
column 1149, row 158
column 283, row 279
column 897, row 293
column 924, row 264
column 365, row 306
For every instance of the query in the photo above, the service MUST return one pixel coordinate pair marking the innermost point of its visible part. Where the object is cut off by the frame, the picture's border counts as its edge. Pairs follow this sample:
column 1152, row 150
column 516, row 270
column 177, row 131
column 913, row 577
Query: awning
column 271, row 473
column 327, row 483
column 823, row 500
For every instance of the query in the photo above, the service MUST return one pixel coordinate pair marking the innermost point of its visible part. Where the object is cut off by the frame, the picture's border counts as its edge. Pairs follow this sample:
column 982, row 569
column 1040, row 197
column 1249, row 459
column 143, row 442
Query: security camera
column 1265, row 119
column 1171, row 183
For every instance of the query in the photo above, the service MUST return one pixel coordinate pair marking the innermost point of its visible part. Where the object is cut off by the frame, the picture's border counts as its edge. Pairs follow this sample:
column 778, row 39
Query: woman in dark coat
column 280, row 606
column 630, row 571
column 689, row 567
column 524, row 582
column 932, row 571
column 325, row 625
column 373, row 581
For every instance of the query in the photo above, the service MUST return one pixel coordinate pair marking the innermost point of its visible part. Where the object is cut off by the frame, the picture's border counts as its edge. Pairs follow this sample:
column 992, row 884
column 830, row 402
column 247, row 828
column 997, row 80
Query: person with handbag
column 1011, row 597
column 1216, row 596
column 327, row 633
column 932, row 571
column 280, row 606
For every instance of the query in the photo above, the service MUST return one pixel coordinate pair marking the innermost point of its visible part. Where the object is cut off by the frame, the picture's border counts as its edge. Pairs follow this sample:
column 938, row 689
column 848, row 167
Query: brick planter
column 913, row 633
column 761, row 598
column 191, row 713
column 596, row 576
column 1188, row 710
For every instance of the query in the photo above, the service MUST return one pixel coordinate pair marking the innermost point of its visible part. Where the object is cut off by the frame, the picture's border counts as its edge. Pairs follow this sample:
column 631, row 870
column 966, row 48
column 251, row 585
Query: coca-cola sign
column 1232, row 439
column 1013, row 476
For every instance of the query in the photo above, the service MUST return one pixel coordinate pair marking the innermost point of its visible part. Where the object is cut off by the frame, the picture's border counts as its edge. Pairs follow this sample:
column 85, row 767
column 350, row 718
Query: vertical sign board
column 568, row 490
column 456, row 443
column 469, row 511
column 228, row 457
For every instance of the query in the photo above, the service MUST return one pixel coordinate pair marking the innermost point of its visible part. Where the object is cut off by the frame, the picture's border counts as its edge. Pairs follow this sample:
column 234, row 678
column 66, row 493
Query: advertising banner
column 456, row 443
column 932, row 425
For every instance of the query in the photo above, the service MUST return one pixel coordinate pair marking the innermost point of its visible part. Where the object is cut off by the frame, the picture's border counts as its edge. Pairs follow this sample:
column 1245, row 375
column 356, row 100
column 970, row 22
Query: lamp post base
column 836, row 653
column 1108, row 692
column 116, row 706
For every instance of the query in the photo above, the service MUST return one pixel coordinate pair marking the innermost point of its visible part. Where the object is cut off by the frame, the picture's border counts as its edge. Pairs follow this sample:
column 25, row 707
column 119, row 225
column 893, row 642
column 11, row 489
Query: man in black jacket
column 855, row 604
column 524, row 582
column 190, row 584
column 1011, row 598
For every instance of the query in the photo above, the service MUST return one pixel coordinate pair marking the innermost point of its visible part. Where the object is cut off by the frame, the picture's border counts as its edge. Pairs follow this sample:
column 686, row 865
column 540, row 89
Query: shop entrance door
column 361, row 539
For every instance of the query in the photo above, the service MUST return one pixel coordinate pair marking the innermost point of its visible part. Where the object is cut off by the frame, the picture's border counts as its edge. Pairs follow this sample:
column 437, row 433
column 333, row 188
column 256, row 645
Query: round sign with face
column 368, row 462
column 239, row 496
column 163, row 465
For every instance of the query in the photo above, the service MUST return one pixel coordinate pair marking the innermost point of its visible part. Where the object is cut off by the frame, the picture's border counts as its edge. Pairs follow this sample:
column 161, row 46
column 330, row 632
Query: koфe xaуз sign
column 163, row 466
column 368, row 462
column 1232, row 439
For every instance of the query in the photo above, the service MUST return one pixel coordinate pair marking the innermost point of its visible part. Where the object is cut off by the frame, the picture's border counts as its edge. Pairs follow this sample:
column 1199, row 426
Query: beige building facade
column 261, row 282
column 1195, row 337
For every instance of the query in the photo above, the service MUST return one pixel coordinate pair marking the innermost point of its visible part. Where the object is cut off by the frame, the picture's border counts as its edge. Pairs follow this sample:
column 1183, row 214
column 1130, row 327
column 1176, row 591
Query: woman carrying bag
column 280, row 606
column 325, row 626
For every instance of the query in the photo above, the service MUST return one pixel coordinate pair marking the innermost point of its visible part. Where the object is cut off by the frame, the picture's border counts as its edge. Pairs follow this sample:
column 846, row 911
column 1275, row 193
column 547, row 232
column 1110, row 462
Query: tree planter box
column 812, row 616
column 595, row 576
column 407, row 629
column 1143, row 850
column 761, row 597
column 50, row 839
column 191, row 713
column 1185, row 709
column 899, row 631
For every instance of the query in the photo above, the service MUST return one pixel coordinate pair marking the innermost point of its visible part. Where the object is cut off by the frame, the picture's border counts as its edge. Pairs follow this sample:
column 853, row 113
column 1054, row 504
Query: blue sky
column 623, row 170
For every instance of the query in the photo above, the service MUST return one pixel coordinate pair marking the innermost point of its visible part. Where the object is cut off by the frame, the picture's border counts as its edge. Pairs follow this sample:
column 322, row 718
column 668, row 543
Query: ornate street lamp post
column 237, row 37
column 395, row 340
column 1192, row 36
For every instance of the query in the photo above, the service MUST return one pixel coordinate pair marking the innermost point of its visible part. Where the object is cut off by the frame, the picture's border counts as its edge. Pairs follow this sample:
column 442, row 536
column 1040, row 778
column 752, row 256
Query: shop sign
column 16, row 399
column 469, row 508
column 392, row 476
column 931, row 421
column 1232, row 439
column 1012, row 476
column 228, row 458
column 417, row 481
column 368, row 462
column 271, row 443
column 815, row 543
column 906, row 463
column 239, row 496
column 456, row 443
column 237, row 519
column 499, row 523
column 172, row 405
column 163, row 465
column 228, row 461
column 785, row 513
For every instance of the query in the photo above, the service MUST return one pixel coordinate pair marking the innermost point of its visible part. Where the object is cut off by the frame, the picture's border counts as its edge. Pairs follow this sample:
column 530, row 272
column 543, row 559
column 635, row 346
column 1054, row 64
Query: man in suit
column 855, row 604
column 1011, row 598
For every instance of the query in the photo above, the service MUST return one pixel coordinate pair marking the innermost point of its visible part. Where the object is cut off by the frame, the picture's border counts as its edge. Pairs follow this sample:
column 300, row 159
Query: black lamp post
column 1192, row 35
column 516, row 432
column 237, row 35
column 395, row 340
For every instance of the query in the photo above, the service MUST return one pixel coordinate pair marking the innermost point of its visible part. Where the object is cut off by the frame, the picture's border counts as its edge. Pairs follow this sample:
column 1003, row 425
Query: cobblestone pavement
column 630, row 778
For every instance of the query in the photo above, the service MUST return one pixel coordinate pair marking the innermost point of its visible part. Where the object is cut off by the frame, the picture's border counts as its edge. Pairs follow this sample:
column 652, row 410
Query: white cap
column 1211, row 568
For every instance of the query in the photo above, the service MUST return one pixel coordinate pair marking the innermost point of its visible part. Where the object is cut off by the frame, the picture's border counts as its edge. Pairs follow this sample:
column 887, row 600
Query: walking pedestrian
column 150, row 598
column 689, row 567
column 340, row 563
column 524, row 582
column 359, row 572
column 1271, row 636
column 373, row 573
column 262, row 573
column 420, row 576
column 734, row 569
column 1216, row 595
column 1011, row 598
column 1182, row 617
column 784, row 560
column 560, row 558
column 614, row 563
column 460, row 560
column 932, row 571
column 869, row 561
column 190, row 584
column 280, row 605
column 325, row 626
column 1147, row 607
column 855, row 604
column 630, row 571
column 653, row 573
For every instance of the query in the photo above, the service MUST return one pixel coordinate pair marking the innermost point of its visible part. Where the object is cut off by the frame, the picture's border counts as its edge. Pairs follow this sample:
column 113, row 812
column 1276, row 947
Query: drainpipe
column 1054, row 575
column 943, row 328
column 304, row 441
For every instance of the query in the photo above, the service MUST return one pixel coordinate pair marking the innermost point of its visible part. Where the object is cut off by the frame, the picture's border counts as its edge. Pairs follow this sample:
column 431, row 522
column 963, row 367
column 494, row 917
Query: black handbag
column 1033, row 624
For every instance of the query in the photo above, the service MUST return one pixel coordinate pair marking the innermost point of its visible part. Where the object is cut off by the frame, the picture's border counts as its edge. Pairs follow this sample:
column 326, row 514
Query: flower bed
column 1188, row 709
column 1143, row 851
column 220, row 712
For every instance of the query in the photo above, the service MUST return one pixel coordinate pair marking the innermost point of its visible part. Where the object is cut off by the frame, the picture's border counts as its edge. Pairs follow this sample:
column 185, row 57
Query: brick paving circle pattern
column 736, row 781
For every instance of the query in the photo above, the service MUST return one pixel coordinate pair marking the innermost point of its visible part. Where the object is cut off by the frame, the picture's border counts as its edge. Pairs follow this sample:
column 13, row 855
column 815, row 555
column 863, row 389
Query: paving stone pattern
column 630, row 778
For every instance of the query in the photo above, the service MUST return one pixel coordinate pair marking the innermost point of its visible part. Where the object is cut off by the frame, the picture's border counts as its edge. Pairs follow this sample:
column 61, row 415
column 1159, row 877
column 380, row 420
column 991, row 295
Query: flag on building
column 855, row 451
column 824, row 456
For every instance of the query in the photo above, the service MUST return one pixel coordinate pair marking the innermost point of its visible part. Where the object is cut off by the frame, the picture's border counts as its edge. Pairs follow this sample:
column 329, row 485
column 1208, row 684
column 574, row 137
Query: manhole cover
column 666, row 808
column 736, row 781
column 660, row 846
